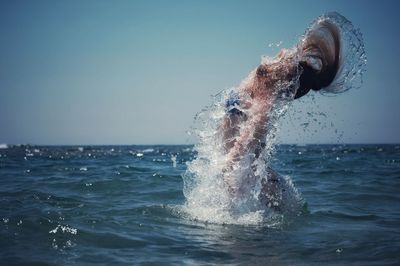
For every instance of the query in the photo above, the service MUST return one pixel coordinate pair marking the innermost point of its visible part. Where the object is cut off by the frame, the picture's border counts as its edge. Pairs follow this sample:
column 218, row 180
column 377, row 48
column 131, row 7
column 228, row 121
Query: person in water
column 313, row 65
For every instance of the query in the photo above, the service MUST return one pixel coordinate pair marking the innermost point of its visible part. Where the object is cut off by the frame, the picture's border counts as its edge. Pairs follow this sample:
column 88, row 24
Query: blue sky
column 137, row 72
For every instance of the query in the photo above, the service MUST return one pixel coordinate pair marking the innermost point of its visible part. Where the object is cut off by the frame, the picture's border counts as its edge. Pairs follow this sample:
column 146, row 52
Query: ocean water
column 124, row 205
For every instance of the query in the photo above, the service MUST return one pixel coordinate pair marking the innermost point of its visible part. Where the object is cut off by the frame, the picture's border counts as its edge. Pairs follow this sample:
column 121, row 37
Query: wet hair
column 320, row 58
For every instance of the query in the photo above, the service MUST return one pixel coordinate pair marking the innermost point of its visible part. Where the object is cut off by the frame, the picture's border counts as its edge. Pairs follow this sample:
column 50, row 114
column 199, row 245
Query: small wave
column 110, row 240
column 224, row 216
column 343, row 215
column 3, row 146
column 64, row 229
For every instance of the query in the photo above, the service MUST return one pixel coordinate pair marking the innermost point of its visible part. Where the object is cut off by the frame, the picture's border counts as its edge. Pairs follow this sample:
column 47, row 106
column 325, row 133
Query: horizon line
column 192, row 144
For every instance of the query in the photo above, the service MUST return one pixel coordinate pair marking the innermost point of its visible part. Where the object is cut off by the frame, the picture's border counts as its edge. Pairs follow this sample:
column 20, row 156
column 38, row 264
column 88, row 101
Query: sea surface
column 122, row 205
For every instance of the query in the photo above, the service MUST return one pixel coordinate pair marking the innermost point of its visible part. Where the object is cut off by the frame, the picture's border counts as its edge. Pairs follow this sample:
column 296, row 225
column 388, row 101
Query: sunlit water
column 123, row 205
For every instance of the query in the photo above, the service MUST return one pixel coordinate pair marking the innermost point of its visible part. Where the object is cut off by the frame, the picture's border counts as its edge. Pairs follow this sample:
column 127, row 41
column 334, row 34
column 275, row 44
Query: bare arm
column 251, row 133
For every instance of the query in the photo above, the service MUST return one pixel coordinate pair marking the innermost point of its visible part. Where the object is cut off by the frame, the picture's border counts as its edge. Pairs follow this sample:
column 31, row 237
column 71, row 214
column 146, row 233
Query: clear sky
column 137, row 72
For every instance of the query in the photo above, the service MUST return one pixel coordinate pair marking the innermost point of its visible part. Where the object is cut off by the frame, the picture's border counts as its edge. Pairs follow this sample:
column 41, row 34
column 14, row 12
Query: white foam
column 207, row 196
column 173, row 159
column 3, row 146
column 64, row 229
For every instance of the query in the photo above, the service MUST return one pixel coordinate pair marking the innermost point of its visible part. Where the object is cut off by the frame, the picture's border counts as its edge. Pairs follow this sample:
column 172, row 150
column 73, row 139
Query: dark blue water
column 116, row 205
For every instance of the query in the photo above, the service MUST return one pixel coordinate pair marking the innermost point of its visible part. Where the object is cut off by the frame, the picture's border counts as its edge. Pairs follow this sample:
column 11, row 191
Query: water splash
column 353, row 58
column 207, row 196
column 264, row 197
column 173, row 159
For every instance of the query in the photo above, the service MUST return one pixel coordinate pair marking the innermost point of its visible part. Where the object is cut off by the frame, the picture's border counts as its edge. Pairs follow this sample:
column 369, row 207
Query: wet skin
column 312, row 66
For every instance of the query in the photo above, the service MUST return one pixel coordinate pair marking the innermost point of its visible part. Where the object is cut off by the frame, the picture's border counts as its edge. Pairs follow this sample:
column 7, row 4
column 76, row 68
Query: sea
column 125, row 205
